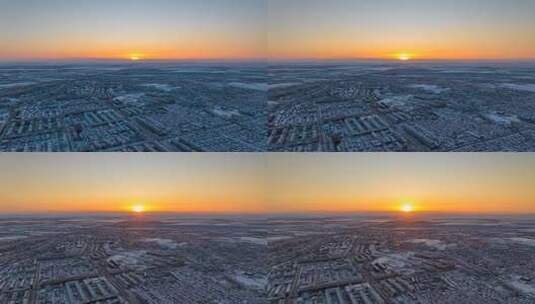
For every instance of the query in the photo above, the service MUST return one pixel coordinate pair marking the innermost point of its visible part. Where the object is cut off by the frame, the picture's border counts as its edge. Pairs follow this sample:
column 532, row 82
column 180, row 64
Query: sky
column 123, row 29
column 430, row 182
column 394, row 29
column 261, row 183
column 174, row 182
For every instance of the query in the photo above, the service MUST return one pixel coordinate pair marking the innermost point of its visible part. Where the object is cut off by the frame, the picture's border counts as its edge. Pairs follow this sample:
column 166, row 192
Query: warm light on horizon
column 268, row 183
column 404, row 56
column 135, row 57
column 407, row 207
column 138, row 208
column 142, row 30
column 374, row 29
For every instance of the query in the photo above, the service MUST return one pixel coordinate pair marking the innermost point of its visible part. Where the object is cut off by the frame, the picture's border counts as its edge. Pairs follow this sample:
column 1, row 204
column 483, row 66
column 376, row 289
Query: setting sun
column 407, row 208
column 404, row 56
column 138, row 208
column 135, row 57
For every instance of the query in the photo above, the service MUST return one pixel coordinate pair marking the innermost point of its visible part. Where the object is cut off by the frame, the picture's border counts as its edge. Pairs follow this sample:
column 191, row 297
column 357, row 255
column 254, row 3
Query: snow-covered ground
column 400, row 101
column 397, row 261
column 522, row 286
column 520, row 87
column 246, row 239
column 12, row 238
column 437, row 244
column 225, row 113
column 162, row 87
column 278, row 238
column 130, row 259
column 129, row 98
column 258, row 241
column 16, row 84
column 257, row 282
column 261, row 86
column 251, row 86
column 431, row 88
column 502, row 119
column 165, row 243
column 524, row 241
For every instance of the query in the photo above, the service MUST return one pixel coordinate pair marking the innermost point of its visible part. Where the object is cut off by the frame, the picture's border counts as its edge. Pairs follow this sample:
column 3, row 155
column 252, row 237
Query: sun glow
column 135, row 57
column 139, row 208
column 404, row 56
column 407, row 207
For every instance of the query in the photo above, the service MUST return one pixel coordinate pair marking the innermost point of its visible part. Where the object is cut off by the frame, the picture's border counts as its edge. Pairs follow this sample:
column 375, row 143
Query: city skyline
column 268, row 183
column 402, row 30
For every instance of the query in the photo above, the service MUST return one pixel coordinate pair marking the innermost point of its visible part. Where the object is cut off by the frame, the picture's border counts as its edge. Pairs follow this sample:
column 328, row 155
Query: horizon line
column 260, row 59
column 289, row 213
column 121, row 59
column 393, row 59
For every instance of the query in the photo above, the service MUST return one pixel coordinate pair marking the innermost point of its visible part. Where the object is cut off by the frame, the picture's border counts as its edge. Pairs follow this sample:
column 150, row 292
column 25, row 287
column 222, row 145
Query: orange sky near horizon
column 211, row 183
column 158, row 29
column 371, row 182
column 383, row 29
column 268, row 183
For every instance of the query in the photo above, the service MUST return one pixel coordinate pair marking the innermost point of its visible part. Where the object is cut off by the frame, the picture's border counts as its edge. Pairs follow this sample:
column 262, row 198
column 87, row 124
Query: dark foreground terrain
column 123, row 259
column 138, row 107
column 369, row 259
column 409, row 106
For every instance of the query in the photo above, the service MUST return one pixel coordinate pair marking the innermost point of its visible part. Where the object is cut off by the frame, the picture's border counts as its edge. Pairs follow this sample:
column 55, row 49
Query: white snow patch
column 255, row 281
column 520, row 87
column 279, row 238
column 162, row 87
column 225, row 113
column 524, row 241
column 437, row 244
column 501, row 119
column 283, row 85
column 165, row 243
column 16, row 84
column 396, row 261
column 251, row 86
column 522, row 286
column 129, row 98
column 12, row 238
column 131, row 259
column 396, row 101
column 429, row 88
column 253, row 240
column 245, row 239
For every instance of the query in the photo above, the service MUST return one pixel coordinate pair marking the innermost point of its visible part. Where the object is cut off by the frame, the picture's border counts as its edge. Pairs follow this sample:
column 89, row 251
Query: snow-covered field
column 397, row 261
column 258, row 241
column 522, row 286
column 258, row 282
column 524, row 241
column 520, row 87
column 431, row 88
column 165, row 243
column 12, row 238
column 437, row 244
column 162, row 87
column 251, row 86
column 129, row 98
column 264, row 87
column 225, row 113
column 131, row 259
column 16, row 84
